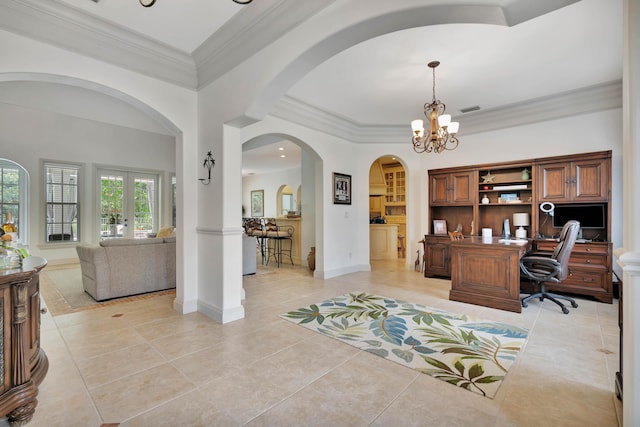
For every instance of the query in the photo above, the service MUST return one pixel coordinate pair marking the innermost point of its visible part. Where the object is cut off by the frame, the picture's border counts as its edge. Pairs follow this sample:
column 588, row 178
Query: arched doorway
column 289, row 191
column 387, row 208
column 51, row 90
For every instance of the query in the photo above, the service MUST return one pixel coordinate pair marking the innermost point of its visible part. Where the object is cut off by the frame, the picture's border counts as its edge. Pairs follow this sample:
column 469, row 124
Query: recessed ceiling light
column 281, row 148
column 282, row 155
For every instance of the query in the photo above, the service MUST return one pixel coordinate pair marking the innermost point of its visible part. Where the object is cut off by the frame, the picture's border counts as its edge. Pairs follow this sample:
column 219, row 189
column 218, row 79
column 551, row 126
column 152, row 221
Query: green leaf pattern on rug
column 474, row 354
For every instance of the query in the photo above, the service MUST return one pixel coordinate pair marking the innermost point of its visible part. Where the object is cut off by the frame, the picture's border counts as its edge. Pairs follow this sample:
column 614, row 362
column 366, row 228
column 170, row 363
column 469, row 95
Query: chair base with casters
column 543, row 294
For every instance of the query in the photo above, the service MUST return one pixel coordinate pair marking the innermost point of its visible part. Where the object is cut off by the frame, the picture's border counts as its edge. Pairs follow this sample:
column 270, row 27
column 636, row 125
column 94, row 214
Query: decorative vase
column 311, row 258
column 525, row 174
column 485, row 200
column 9, row 258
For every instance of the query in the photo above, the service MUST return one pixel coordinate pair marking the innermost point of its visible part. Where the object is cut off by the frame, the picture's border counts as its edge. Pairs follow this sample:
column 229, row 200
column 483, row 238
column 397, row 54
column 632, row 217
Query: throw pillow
column 165, row 232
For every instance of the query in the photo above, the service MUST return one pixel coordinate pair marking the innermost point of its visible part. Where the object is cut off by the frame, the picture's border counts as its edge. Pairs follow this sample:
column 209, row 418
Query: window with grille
column 9, row 192
column 62, row 206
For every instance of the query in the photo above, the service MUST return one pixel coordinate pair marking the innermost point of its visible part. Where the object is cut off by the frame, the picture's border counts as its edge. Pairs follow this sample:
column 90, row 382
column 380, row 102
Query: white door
column 128, row 203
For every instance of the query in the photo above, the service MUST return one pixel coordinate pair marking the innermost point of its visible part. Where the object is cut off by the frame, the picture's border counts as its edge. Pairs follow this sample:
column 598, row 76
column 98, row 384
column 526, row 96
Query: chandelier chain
column 434, row 84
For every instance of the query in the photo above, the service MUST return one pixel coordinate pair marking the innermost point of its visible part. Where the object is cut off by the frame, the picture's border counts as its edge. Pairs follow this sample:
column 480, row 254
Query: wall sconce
column 209, row 163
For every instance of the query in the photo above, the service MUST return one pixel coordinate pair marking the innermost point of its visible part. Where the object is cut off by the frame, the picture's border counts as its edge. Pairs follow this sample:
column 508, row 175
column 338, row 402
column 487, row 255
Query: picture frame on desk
column 439, row 226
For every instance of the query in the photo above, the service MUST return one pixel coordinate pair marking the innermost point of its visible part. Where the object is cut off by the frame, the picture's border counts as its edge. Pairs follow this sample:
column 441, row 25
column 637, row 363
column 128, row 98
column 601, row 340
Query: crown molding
column 580, row 101
column 71, row 29
column 245, row 34
column 590, row 99
column 249, row 31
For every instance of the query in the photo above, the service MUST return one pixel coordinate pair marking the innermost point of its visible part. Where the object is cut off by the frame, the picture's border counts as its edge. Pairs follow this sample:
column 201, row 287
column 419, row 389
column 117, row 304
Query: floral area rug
column 471, row 353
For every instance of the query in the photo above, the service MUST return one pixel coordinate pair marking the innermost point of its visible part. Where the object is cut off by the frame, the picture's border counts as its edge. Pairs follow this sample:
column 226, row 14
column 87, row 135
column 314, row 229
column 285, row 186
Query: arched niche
column 285, row 201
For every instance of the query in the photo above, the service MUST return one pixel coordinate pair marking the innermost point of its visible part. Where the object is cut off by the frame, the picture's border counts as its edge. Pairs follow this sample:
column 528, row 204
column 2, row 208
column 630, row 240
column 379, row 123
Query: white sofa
column 124, row 267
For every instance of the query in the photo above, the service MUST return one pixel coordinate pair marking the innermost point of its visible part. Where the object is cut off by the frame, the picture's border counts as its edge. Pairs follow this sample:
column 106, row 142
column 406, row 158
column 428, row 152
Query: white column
column 630, row 261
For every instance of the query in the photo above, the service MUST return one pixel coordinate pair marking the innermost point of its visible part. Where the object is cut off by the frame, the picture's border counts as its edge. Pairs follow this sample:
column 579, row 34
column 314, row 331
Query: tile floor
column 141, row 364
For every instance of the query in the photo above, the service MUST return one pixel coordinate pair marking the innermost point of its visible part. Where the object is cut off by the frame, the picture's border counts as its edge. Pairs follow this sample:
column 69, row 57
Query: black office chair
column 552, row 268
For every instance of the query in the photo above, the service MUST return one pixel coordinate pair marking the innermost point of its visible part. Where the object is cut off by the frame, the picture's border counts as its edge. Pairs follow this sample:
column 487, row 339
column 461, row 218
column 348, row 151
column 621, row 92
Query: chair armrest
column 539, row 268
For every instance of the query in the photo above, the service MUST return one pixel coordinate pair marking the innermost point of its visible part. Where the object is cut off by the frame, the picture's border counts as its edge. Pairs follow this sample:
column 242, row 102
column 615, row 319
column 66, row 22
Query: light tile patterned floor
column 139, row 363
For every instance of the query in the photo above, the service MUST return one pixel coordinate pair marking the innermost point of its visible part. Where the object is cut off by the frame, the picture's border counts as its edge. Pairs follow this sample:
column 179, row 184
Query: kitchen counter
column 383, row 241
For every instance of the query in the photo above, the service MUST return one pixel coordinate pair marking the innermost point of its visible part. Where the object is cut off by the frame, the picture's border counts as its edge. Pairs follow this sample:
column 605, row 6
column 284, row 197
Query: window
column 14, row 189
column 62, row 207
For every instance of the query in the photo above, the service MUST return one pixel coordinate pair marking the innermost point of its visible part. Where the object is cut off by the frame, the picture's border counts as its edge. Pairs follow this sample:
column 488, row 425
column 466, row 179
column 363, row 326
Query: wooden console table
column 487, row 272
column 23, row 364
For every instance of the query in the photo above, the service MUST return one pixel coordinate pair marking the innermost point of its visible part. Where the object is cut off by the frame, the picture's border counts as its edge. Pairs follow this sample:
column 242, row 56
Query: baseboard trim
column 221, row 316
column 185, row 307
column 328, row 274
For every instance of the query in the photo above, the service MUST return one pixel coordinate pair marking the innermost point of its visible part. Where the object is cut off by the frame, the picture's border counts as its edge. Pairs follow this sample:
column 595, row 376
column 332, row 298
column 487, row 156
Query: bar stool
column 275, row 247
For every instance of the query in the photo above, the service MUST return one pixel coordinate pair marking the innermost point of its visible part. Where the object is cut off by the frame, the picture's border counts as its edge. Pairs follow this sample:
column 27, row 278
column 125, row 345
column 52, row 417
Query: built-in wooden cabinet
column 483, row 196
column 396, row 183
column 376, row 206
column 584, row 180
column 452, row 188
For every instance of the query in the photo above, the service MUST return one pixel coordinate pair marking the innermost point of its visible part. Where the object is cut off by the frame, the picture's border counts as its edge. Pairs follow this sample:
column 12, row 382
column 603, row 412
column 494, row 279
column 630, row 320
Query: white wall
column 270, row 183
column 30, row 136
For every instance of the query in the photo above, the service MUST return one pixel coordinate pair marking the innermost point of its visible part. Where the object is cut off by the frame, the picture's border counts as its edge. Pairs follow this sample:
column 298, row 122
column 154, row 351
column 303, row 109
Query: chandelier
column 149, row 3
column 442, row 131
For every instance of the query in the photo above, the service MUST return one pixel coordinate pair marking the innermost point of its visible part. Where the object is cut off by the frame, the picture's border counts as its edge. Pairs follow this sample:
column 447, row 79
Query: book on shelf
column 510, row 187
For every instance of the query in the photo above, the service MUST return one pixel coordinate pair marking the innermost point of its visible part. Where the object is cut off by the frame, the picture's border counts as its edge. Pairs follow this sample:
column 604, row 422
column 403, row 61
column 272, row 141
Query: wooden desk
column 487, row 272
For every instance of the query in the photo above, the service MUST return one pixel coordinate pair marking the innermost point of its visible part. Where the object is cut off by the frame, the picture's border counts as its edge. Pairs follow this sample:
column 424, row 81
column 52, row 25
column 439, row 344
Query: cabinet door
column 462, row 188
column 437, row 260
column 574, row 181
column 439, row 189
column 589, row 180
column 375, row 205
column 554, row 180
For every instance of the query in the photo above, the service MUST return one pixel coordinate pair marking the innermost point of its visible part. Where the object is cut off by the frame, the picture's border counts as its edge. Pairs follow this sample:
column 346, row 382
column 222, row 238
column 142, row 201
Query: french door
column 128, row 203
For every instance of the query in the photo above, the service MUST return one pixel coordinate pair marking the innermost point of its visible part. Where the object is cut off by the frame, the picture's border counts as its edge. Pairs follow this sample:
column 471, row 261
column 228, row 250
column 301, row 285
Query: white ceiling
column 385, row 81
column 183, row 24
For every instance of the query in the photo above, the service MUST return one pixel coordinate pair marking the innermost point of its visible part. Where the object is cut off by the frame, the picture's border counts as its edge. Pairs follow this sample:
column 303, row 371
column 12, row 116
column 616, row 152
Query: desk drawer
column 595, row 260
column 586, row 248
column 586, row 278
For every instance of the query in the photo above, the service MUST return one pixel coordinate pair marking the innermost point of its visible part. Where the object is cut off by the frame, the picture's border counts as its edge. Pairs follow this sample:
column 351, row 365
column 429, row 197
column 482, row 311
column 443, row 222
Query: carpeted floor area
column 63, row 292
column 463, row 350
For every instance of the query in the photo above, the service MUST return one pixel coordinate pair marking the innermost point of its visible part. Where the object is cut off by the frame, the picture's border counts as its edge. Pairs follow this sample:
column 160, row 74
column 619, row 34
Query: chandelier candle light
column 442, row 131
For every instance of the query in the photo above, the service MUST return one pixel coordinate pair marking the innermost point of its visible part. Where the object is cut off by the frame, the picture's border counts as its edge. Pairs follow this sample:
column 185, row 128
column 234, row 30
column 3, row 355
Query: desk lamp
column 521, row 220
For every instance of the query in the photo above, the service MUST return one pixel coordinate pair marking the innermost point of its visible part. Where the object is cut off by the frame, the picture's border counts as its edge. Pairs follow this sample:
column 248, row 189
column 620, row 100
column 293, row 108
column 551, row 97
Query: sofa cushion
column 131, row 242
column 166, row 231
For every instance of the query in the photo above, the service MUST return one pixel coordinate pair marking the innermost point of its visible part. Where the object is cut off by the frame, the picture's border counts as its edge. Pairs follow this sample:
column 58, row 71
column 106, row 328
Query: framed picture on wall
column 257, row 203
column 341, row 189
column 439, row 226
